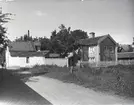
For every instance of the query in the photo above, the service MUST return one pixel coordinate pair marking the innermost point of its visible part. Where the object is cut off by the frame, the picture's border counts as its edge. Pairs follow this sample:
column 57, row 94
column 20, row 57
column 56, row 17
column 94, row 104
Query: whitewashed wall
column 21, row 61
column 15, row 62
column 92, row 53
column 56, row 61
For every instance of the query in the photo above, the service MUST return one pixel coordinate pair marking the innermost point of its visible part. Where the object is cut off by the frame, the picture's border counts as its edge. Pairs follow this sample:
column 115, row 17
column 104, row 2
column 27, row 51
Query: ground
column 15, row 92
column 59, row 93
column 110, row 85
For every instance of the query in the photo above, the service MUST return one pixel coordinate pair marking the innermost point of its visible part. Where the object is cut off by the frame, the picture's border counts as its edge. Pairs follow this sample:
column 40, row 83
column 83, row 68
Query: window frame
column 27, row 59
column 111, row 49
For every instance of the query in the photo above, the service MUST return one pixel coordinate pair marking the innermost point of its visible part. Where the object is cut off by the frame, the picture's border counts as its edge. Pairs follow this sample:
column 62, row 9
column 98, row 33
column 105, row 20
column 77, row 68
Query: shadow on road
column 14, row 92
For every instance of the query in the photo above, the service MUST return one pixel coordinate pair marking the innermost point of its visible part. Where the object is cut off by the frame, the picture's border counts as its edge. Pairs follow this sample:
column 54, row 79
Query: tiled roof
column 25, row 49
column 91, row 41
column 22, row 46
column 126, row 55
column 28, row 54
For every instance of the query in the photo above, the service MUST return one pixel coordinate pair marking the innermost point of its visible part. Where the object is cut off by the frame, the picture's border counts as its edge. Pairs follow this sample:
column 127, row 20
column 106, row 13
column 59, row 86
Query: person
column 72, row 60
column 80, row 56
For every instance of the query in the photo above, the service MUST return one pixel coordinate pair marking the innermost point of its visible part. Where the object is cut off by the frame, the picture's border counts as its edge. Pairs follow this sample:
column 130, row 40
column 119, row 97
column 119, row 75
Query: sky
column 41, row 17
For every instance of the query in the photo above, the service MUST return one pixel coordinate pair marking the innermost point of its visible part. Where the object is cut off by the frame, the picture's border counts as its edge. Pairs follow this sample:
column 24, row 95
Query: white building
column 24, row 54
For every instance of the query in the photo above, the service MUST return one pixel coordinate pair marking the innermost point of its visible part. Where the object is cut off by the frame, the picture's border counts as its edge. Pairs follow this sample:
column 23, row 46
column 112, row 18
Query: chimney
column 28, row 33
column 91, row 35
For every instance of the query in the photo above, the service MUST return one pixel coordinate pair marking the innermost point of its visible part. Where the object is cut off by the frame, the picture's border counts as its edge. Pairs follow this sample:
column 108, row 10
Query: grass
column 118, row 79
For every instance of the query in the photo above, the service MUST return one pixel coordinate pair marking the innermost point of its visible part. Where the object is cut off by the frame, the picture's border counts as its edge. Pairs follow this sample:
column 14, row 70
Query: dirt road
column 59, row 93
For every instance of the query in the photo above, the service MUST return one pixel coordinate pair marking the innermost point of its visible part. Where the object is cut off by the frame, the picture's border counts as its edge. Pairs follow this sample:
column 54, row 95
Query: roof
column 28, row 54
column 94, row 41
column 54, row 55
column 125, row 55
column 25, row 49
column 126, row 48
column 22, row 46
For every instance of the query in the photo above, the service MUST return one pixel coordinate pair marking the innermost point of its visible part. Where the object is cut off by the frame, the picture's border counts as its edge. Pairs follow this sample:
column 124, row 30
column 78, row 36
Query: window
column 27, row 59
column 111, row 49
column 91, row 49
column 105, row 48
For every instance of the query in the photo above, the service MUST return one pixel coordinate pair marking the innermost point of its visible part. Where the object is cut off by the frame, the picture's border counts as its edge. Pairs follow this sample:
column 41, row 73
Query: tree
column 4, row 18
column 79, row 34
column 45, row 43
column 64, row 40
column 3, row 38
column 53, row 34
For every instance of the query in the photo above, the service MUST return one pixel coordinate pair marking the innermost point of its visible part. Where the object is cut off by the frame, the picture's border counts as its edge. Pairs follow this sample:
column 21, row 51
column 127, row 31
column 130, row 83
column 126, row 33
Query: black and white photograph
column 66, row 52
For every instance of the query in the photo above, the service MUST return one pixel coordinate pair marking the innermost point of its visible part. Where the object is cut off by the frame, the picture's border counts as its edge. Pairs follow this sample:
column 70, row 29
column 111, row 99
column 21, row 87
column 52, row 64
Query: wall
column 56, row 61
column 104, row 54
column 21, row 61
column 92, row 54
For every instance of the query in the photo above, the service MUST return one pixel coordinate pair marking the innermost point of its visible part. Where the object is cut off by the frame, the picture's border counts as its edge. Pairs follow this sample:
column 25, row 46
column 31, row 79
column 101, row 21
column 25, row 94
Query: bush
column 92, row 71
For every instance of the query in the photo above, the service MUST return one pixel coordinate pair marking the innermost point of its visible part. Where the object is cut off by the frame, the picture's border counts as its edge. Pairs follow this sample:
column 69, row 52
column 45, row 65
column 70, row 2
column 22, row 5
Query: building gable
column 95, row 40
column 105, row 38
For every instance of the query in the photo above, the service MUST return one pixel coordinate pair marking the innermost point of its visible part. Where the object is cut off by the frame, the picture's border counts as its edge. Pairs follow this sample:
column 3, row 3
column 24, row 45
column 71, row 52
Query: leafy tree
column 59, row 40
column 53, row 34
column 45, row 43
column 64, row 40
column 4, row 18
column 79, row 34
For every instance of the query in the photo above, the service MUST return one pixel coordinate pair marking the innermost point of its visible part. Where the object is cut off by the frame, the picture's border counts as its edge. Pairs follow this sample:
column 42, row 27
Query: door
column 85, row 53
column 107, row 53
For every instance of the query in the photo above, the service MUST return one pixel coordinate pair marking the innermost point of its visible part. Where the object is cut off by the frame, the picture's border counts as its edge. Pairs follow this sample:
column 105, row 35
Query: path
column 15, row 92
column 59, row 93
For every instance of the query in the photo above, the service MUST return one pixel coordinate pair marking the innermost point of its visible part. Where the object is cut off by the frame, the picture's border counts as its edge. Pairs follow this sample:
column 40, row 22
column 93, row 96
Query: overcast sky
column 41, row 17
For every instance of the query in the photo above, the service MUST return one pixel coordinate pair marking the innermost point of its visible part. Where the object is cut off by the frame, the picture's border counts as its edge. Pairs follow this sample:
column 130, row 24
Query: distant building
column 125, row 48
column 97, row 49
column 126, row 52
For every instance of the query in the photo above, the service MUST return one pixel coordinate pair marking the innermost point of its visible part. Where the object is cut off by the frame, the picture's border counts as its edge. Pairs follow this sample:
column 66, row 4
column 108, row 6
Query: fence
column 108, row 63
